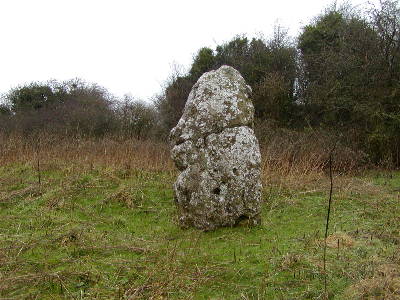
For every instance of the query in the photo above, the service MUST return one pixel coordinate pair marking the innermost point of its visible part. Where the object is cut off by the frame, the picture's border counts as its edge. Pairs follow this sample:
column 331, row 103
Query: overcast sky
column 129, row 47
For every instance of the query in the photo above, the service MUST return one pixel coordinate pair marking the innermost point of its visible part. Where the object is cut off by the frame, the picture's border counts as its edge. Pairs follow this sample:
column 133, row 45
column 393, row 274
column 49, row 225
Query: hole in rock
column 235, row 171
column 216, row 191
column 180, row 141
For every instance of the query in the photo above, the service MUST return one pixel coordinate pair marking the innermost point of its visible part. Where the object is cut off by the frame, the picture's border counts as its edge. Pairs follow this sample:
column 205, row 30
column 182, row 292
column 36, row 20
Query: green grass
column 103, row 233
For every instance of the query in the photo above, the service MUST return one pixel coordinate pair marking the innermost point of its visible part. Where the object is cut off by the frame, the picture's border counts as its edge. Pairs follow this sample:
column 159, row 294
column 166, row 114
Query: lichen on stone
column 214, row 147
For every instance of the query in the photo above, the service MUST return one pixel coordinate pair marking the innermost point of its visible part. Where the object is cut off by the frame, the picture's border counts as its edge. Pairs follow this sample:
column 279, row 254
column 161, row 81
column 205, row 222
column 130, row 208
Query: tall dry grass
column 301, row 157
column 285, row 155
column 109, row 151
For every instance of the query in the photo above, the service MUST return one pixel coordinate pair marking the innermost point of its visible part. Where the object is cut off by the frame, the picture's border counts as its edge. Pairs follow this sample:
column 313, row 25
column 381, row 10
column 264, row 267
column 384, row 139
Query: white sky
column 129, row 47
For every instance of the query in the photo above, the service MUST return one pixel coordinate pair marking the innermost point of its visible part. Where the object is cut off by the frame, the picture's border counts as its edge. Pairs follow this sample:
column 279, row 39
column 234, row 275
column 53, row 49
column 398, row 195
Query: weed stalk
column 327, row 223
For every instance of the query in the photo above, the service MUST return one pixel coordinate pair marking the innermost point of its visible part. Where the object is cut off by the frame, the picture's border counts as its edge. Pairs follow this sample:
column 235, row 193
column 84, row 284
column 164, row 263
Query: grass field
column 106, row 231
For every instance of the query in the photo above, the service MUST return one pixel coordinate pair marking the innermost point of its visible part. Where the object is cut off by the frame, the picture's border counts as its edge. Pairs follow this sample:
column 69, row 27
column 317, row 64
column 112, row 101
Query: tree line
column 340, row 75
column 75, row 108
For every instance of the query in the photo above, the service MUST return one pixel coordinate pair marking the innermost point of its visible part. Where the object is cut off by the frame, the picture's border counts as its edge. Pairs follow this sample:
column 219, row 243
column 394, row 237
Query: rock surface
column 215, row 149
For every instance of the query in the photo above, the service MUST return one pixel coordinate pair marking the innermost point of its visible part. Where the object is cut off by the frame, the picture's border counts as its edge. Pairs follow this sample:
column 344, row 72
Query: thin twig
column 38, row 161
column 327, row 222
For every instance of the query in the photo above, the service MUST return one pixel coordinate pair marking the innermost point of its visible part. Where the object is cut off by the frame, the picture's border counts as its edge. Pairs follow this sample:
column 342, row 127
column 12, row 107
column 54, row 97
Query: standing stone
column 215, row 149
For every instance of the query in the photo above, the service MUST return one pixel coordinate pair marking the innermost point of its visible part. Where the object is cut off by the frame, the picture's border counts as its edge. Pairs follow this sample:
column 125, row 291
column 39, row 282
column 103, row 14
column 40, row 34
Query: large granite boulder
column 214, row 147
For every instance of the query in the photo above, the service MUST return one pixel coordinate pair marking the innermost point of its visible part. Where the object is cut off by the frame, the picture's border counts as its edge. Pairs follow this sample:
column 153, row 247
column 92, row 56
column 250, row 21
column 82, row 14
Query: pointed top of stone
column 218, row 100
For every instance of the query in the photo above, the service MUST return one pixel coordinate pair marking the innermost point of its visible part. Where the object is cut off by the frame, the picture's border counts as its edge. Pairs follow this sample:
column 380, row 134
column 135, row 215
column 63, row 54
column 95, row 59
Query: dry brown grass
column 340, row 240
column 385, row 284
column 288, row 160
column 299, row 159
column 301, row 153
column 112, row 151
